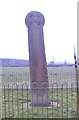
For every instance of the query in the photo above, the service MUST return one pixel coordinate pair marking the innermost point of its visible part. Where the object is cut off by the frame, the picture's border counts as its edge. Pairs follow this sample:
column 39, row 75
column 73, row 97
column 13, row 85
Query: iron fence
column 16, row 102
column 17, row 97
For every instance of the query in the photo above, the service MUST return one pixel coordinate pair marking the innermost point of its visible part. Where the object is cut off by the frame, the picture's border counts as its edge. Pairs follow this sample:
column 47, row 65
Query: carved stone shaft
column 37, row 59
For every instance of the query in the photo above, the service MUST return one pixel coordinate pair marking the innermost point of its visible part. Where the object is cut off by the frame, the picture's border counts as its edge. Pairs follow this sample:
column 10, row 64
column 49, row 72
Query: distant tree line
column 24, row 63
column 13, row 63
column 54, row 64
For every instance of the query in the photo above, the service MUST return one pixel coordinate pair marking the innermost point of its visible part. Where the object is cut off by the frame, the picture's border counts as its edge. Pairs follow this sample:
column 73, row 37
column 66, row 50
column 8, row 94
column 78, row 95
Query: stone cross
column 37, row 59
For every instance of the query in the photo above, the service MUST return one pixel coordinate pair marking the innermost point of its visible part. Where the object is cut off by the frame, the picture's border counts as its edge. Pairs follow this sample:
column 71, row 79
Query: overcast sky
column 60, row 29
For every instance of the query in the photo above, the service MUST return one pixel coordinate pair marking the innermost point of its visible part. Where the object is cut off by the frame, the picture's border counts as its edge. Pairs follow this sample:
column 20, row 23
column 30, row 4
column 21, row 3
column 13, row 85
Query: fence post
column 77, row 80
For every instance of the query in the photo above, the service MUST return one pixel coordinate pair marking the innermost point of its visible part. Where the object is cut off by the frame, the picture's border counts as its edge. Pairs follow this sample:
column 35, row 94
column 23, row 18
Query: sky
column 60, row 29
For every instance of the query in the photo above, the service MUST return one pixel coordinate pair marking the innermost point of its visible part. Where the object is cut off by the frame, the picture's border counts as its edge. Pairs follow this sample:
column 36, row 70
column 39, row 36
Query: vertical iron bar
column 22, row 100
column 12, row 103
column 17, row 102
column 33, row 89
column 67, row 98
column 27, row 101
column 5, row 101
column 57, row 100
column 8, row 102
column 62, row 99
column 52, row 100
column 47, row 101
column 71, row 97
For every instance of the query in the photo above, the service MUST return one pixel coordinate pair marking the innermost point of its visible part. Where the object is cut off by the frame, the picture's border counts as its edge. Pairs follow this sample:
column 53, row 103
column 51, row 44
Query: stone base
column 50, row 105
column 40, row 100
column 39, row 97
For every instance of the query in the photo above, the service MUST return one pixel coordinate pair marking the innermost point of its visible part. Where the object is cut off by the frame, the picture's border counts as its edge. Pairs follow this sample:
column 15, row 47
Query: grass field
column 66, row 100
column 21, row 74
column 13, row 100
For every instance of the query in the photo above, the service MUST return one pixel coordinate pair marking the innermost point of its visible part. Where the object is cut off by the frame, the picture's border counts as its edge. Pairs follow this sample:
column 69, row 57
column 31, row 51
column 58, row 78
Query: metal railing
column 16, row 102
column 17, row 96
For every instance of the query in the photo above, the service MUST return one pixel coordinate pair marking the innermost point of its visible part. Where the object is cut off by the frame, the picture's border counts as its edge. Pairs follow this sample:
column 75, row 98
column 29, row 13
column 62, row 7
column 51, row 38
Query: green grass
column 21, row 74
column 65, row 98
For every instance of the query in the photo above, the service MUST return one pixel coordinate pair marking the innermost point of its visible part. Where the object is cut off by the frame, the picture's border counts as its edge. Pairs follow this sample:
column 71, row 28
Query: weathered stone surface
column 37, row 59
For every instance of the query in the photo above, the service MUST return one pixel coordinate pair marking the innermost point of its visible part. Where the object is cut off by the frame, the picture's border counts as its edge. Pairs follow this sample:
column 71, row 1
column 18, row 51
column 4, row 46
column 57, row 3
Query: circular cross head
column 34, row 17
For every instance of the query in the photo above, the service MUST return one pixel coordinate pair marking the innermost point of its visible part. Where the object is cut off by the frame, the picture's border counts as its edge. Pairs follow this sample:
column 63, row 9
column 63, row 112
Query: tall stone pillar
column 37, row 59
